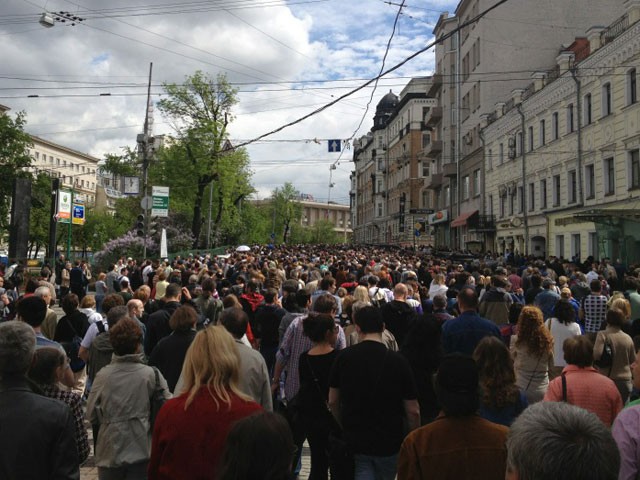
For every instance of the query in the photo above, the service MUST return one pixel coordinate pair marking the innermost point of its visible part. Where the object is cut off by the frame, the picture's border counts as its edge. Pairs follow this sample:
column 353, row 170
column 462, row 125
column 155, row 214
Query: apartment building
column 477, row 67
column 76, row 170
column 563, row 153
column 391, row 166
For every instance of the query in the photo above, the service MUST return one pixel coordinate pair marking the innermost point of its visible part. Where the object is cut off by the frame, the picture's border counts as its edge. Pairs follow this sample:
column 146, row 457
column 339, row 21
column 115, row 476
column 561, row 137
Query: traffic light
column 140, row 226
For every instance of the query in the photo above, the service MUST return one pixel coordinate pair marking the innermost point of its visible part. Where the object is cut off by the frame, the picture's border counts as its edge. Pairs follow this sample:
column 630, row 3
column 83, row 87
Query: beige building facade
column 391, row 167
column 477, row 68
column 75, row 170
column 563, row 153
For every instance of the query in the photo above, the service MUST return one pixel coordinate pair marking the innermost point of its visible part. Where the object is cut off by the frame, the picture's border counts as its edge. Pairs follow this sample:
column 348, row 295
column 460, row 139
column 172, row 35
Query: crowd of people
column 389, row 363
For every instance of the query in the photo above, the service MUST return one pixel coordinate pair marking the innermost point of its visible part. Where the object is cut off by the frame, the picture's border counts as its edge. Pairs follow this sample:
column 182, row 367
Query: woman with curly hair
column 501, row 401
column 532, row 351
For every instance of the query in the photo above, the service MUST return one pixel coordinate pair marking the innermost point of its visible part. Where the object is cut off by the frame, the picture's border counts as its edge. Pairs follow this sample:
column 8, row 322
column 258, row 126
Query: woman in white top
column 562, row 326
column 437, row 286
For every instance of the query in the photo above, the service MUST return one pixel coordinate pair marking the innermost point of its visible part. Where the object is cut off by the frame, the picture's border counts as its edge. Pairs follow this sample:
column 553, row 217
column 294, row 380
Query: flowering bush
column 128, row 245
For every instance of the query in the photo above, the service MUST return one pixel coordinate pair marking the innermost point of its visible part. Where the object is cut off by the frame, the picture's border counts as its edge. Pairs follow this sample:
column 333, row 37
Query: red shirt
column 589, row 389
column 188, row 444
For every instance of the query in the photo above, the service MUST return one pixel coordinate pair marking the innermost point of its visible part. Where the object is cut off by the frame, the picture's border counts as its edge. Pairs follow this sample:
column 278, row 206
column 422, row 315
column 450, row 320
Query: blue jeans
column 369, row 467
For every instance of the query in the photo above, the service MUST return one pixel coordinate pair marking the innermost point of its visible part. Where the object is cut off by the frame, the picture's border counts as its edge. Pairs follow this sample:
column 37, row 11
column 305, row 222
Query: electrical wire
column 392, row 69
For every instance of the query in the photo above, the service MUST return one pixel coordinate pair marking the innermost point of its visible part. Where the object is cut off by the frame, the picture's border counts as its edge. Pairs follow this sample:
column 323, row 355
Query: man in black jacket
column 37, row 439
column 398, row 315
column 158, row 323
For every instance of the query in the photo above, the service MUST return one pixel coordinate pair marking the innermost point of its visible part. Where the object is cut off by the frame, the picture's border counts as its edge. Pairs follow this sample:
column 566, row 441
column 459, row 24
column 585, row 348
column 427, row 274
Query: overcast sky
column 287, row 59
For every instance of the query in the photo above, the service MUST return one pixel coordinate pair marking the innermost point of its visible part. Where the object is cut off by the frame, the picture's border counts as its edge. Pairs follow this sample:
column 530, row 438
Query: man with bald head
column 398, row 315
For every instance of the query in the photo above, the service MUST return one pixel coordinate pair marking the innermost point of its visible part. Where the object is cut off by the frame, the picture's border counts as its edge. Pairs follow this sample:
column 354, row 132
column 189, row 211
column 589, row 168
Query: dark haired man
column 254, row 376
column 372, row 393
column 38, row 434
column 463, row 333
column 459, row 443
column 158, row 322
column 593, row 308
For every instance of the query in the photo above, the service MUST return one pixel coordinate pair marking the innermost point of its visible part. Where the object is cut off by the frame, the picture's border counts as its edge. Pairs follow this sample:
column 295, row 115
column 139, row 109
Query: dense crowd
column 388, row 362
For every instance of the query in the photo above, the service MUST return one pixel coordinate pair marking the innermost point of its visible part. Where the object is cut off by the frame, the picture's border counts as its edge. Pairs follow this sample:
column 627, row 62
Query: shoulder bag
column 157, row 399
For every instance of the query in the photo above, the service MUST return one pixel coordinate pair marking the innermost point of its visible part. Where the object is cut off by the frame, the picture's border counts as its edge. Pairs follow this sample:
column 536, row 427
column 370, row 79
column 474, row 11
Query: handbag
column 72, row 349
column 157, row 399
column 606, row 357
column 341, row 460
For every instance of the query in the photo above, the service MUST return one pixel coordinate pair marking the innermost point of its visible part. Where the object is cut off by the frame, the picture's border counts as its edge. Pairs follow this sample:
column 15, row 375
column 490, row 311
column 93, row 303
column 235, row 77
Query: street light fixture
column 48, row 19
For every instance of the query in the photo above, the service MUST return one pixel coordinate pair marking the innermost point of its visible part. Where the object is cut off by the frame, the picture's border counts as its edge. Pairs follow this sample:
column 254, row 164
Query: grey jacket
column 119, row 402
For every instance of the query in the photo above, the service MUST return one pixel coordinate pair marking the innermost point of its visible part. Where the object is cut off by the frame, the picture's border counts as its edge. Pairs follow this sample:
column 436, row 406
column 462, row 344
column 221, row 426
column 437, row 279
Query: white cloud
column 288, row 44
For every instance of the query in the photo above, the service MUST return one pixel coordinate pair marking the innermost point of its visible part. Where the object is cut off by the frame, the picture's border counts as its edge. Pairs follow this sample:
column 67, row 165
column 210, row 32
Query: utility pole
column 525, row 214
column 53, row 221
column 143, row 146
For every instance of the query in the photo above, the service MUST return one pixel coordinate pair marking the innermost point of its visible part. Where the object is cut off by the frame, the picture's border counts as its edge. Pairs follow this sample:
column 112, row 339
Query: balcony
column 436, row 181
column 449, row 169
column 434, row 148
column 482, row 223
column 433, row 117
column 436, row 85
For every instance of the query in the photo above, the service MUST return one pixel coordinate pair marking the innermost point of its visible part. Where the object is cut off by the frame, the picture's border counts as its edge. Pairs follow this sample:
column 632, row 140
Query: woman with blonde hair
column 361, row 294
column 191, row 429
column 532, row 351
column 437, row 286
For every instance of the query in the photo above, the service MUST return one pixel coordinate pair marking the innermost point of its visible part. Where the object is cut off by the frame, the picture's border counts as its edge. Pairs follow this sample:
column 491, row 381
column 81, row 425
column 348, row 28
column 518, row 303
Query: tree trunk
column 196, row 224
column 286, row 232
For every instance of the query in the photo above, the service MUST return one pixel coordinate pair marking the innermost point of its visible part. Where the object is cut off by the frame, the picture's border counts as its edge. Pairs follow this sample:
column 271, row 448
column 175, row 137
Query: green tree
column 40, row 214
column 14, row 160
column 288, row 209
column 200, row 112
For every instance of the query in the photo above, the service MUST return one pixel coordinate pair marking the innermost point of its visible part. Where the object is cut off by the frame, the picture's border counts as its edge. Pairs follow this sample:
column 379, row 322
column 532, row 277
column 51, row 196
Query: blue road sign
column 416, row 233
column 335, row 145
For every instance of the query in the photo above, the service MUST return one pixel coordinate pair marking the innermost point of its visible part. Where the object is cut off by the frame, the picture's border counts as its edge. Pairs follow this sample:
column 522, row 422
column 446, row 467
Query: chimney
column 538, row 80
column 565, row 60
column 593, row 35
column 633, row 10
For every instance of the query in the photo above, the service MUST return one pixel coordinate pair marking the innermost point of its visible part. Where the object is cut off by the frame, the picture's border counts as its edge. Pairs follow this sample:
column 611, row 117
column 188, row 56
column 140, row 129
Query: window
column 575, row 244
column 57, row 161
column 556, row 190
column 512, row 198
column 572, row 186
column 543, row 133
column 64, row 163
column 587, row 113
column 490, row 204
column 634, row 164
column 606, row 99
column 380, row 163
column 592, row 244
column 519, row 144
column 532, row 197
column 379, row 209
column 37, row 154
column 465, row 187
column 476, row 182
column 425, row 168
column 632, row 92
column 490, row 160
column 559, row 245
column 570, row 121
column 503, row 201
column 543, row 194
column 501, row 154
column 426, row 140
column 520, row 200
column 590, row 181
column 554, row 126
column 425, row 198
column 609, row 177
column 530, row 138
column 51, row 159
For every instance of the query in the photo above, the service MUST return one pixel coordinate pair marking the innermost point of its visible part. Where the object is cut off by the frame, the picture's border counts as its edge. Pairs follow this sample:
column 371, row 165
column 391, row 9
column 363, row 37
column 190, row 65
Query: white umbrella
column 243, row 248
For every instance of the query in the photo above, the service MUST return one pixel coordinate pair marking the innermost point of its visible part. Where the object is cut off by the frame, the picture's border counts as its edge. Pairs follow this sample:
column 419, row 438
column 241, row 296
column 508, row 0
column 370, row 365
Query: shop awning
column 461, row 221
